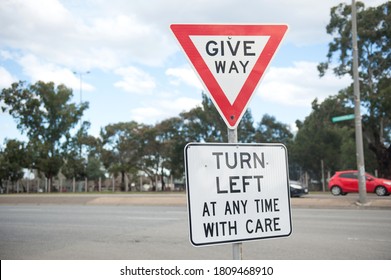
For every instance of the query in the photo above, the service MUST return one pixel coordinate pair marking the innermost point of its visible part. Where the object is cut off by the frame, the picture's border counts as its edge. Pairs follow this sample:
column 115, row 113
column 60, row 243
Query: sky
column 121, row 56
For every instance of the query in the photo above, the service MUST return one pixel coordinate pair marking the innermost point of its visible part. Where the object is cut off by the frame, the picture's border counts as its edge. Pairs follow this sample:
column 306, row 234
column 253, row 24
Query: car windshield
column 369, row 175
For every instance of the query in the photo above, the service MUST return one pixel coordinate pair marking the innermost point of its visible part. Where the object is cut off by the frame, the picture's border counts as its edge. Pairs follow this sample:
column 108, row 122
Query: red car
column 344, row 182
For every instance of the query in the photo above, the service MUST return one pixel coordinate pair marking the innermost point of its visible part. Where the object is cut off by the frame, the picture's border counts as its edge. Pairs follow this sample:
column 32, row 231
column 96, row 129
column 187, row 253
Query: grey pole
column 236, row 247
column 357, row 113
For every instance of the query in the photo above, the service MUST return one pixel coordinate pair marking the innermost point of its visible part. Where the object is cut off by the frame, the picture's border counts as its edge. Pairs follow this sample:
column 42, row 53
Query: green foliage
column 318, row 139
column 204, row 124
column 12, row 161
column 44, row 113
column 270, row 130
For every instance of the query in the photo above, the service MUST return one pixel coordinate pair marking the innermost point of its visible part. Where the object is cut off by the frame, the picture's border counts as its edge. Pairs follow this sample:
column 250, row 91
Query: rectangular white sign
column 237, row 192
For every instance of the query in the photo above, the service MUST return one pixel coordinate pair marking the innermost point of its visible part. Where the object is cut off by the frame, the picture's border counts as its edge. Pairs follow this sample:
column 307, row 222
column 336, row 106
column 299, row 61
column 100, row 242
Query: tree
column 318, row 139
column 374, row 49
column 204, row 124
column 81, row 149
column 169, row 134
column 45, row 114
column 12, row 161
column 270, row 130
column 122, row 148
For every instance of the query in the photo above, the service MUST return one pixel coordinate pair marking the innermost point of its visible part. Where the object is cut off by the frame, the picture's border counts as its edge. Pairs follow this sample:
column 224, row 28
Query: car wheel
column 381, row 191
column 335, row 190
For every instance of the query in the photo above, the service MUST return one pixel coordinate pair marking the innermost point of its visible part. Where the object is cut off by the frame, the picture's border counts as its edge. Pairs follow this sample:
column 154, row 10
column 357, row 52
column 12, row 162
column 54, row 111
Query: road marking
column 368, row 239
column 153, row 218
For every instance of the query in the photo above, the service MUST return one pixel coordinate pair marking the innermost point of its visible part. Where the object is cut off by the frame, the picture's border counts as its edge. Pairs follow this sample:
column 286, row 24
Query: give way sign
column 230, row 60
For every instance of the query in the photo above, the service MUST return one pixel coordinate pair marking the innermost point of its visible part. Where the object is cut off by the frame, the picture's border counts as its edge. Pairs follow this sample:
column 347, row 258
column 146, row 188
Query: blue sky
column 137, row 70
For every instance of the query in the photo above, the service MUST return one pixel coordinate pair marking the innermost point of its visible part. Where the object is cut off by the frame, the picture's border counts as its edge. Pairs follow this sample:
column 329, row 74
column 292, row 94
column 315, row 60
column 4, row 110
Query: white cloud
column 6, row 79
column 163, row 109
column 134, row 80
column 179, row 105
column 299, row 85
column 146, row 114
column 38, row 70
column 111, row 34
column 84, row 41
column 185, row 75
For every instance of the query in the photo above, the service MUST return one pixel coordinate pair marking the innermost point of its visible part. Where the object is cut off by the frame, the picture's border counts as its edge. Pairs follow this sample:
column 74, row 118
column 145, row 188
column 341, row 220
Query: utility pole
column 357, row 113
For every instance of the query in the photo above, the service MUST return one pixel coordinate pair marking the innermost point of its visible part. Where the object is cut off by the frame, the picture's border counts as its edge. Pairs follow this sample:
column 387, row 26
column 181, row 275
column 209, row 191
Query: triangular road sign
column 230, row 60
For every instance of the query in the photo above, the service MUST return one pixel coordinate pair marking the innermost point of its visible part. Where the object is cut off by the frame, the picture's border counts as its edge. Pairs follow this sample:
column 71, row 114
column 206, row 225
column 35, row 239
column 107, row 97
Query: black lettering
column 217, row 158
column 258, row 177
column 245, row 158
column 259, row 226
column 245, row 182
column 261, row 160
column 233, row 68
column 235, row 161
column 232, row 227
column 212, row 229
column 275, row 200
column 232, row 184
column 206, row 209
column 247, row 226
column 247, row 47
column 220, row 66
column 268, row 224
column 276, row 224
column 227, row 208
column 244, row 65
column 218, row 186
column 244, row 204
column 267, row 205
column 233, row 51
column 223, row 226
column 212, row 52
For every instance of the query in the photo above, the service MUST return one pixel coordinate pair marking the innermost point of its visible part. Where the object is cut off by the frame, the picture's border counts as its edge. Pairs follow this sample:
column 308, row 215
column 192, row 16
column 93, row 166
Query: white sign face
column 230, row 59
column 237, row 192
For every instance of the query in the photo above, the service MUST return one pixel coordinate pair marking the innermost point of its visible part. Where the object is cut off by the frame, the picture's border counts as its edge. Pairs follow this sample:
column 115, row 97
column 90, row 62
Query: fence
column 76, row 186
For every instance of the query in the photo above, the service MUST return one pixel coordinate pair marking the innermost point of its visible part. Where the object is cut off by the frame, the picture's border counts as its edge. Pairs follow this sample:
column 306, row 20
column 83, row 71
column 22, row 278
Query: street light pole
column 357, row 113
column 81, row 100
column 81, row 82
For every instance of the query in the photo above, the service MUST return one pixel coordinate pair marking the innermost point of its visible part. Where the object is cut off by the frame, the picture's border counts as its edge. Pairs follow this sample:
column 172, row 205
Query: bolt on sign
column 230, row 60
column 237, row 192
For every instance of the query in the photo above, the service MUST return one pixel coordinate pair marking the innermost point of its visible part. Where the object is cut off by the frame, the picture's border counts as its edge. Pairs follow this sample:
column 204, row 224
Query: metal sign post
column 236, row 247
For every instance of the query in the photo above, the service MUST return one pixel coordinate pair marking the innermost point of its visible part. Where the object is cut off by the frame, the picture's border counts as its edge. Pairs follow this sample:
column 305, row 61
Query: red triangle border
column 231, row 114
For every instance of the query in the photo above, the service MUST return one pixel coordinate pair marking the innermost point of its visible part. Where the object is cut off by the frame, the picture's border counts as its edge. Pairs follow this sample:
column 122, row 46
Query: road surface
column 124, row 231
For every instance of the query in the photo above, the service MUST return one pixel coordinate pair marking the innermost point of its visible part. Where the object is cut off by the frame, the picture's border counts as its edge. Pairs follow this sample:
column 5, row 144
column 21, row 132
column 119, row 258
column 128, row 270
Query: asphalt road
column 129, row 231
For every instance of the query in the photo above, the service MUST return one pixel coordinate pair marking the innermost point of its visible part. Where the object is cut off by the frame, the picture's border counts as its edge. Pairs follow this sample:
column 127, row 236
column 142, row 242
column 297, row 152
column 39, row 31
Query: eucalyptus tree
column 122, row 148
column 44, row 113
column 13, row 159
